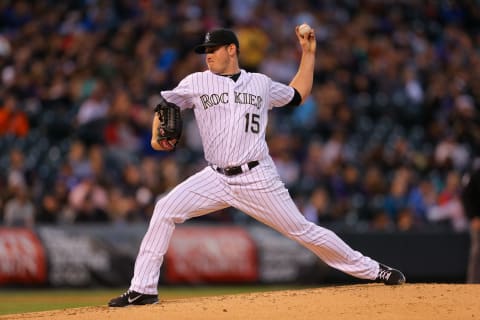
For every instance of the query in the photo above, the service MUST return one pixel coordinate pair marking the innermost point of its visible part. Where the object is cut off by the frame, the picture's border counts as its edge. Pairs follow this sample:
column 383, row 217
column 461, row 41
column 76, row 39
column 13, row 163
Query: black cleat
column 390, row 276
column 131, row 298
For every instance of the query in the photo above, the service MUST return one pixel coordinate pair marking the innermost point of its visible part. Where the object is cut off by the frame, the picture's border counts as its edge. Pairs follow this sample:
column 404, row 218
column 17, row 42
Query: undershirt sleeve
column 296, row 100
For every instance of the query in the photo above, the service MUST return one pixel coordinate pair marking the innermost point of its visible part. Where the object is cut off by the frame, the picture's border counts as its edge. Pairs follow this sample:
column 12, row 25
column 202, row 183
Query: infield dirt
column 372, row 301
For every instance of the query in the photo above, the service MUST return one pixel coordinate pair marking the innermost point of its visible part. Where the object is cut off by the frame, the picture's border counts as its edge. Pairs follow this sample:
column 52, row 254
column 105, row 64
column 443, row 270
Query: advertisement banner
column 104, row 255
column 211, row 254
column 22, row 258
column 75, row 259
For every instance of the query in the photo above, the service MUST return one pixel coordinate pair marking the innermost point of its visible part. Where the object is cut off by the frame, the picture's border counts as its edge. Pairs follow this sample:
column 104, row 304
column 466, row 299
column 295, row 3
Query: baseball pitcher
column 231, row 108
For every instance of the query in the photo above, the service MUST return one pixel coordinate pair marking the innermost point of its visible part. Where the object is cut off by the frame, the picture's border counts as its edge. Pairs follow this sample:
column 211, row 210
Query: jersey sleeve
column 280, row 94
column 181, row 95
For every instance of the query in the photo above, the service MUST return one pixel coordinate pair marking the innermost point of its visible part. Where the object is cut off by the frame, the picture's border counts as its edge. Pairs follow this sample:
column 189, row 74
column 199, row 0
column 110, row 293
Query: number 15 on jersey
column 252, row 122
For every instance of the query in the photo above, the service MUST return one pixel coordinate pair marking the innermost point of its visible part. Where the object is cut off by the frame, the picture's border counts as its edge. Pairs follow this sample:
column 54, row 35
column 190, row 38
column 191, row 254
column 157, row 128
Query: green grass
column 21, row 301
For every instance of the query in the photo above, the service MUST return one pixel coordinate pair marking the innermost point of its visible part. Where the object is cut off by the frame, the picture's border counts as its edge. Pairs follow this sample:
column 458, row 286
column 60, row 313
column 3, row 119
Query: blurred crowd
column 382, row 143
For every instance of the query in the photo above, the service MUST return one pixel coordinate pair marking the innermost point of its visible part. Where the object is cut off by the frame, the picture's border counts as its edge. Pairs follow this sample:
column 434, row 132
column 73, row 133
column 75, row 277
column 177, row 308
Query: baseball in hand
column 304, row 29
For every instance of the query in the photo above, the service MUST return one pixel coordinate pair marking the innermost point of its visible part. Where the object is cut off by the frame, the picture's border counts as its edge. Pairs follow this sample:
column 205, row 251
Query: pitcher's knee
column 313, row 235
column 163, row 212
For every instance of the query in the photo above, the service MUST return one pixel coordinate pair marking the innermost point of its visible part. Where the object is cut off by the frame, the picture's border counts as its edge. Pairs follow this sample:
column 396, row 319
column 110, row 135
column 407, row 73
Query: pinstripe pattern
column 221, row 106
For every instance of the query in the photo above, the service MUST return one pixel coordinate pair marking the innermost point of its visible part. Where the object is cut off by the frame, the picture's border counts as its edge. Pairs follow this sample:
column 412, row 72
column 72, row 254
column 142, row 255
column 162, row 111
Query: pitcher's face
column 220, row 59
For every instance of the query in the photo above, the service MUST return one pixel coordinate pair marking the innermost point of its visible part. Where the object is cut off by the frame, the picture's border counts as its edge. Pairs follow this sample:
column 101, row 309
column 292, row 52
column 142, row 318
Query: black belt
column 233, row 171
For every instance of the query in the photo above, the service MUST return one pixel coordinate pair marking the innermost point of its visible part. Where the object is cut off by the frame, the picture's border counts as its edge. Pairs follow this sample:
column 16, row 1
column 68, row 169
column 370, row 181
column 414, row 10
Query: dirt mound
column 372, row 301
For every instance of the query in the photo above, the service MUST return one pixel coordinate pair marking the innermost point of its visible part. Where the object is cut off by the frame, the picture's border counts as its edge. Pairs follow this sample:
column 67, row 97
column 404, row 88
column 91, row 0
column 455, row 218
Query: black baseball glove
column 170, row 127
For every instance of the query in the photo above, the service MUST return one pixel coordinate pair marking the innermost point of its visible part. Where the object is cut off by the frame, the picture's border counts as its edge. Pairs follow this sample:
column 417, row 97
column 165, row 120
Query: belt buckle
column 224, row 171
column 232, row 171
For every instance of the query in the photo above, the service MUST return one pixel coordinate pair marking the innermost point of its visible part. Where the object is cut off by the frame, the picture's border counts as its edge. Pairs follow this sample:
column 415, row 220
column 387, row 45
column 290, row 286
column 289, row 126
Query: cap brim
column 200, row 49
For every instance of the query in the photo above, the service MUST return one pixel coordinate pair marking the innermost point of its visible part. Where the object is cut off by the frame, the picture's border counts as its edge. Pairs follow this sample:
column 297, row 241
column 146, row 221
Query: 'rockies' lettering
column 214, row 99
column 247, row 98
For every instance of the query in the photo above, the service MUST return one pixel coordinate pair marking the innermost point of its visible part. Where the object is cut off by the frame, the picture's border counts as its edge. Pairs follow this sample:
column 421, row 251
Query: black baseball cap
column 217, row 37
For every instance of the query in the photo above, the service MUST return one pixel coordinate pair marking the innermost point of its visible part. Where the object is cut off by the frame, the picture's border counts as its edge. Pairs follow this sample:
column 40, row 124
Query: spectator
column 89, row 200
column 396, row 200
column 318, row 209
column 345, row 188
column 449, row 154
column 279, row 64
column 92, row 114
column 420, row 199
column 61, row 192
column 405, row 220
column 254, row 42
column 49, row 210
column 18, row 175
column 373, row 189
column 19, row 210
column 448, row 207
column 13, row 120
column 120, row 134
column 132, row 193
column 78, row 161
column 121, row 207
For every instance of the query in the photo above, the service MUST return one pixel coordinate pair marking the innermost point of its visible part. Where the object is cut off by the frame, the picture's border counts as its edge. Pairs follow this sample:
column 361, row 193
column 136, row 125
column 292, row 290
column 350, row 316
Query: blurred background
column 377, row 153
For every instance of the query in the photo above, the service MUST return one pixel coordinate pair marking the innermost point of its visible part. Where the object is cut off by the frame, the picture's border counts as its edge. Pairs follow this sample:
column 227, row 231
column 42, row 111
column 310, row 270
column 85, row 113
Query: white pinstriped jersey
column 231, row 115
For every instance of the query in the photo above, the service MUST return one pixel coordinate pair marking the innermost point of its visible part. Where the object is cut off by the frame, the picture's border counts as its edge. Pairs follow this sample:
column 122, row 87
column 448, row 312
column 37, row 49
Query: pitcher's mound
column 372, row 301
